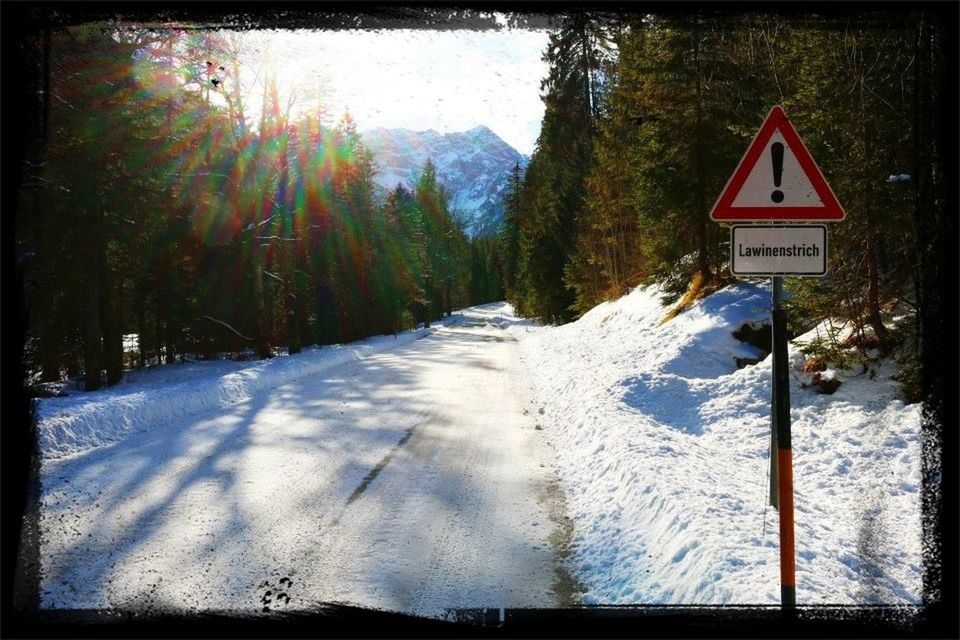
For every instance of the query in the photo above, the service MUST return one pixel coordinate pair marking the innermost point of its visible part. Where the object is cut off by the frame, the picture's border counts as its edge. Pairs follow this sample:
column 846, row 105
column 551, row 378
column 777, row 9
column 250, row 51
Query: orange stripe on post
column 788, row 576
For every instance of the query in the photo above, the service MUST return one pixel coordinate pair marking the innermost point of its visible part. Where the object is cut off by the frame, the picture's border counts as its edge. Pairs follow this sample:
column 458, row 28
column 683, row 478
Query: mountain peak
column 474, row 165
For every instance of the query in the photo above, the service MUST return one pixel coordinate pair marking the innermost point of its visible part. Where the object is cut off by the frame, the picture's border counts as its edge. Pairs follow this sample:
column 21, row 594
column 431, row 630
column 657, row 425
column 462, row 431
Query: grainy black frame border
column 20, row 21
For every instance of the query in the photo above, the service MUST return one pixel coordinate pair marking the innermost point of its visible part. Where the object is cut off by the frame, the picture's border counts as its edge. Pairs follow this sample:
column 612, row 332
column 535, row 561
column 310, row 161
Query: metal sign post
column 784, row 468
column 778, row 180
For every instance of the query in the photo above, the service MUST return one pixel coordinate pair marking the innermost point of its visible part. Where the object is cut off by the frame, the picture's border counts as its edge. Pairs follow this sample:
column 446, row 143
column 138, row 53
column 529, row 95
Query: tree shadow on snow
column 114, row 513
column 671, row 400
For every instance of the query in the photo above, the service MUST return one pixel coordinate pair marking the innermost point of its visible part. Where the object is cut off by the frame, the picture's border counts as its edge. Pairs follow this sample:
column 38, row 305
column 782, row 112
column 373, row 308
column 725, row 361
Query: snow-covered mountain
column 474, row 165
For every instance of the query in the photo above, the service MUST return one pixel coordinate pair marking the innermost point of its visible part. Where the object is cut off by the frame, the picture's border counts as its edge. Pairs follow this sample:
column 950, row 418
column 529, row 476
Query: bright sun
column 415, row 79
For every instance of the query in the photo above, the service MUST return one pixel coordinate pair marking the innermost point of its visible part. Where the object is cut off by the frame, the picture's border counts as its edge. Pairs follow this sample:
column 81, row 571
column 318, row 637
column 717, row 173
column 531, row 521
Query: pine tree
column 572, row 94
column 857, row 124
column 510, row 234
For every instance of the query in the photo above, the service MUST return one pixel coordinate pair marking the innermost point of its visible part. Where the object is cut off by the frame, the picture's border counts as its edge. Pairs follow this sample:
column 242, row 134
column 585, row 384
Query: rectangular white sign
column 778, row 250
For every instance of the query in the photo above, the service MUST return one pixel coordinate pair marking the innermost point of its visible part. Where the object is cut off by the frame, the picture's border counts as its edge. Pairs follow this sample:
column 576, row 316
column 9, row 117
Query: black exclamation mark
column 776, row 154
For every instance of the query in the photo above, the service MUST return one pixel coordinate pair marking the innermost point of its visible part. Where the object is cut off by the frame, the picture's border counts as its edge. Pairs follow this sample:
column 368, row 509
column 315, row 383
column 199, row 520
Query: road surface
column 414, row 480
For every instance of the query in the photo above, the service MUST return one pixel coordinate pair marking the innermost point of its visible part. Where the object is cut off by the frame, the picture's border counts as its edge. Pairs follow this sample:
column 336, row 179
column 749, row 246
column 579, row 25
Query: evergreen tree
column 510, row 234
column 179, row 220
column 572, row 94
column 857, row 124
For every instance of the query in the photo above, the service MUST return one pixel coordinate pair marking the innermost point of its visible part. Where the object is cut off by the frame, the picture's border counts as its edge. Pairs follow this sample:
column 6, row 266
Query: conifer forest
column 430, row 311
column 150, row 208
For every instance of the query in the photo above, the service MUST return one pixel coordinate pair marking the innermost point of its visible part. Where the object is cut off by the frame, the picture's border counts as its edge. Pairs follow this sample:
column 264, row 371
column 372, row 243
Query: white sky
column 419, row 79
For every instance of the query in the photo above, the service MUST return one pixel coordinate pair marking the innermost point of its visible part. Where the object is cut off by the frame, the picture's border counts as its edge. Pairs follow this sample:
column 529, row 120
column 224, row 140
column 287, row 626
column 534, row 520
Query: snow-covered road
column 413, row 480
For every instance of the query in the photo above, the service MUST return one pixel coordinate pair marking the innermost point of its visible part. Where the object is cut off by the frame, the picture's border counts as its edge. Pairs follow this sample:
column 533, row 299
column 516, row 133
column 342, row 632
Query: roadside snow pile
column 663, row 449
column 171, row 393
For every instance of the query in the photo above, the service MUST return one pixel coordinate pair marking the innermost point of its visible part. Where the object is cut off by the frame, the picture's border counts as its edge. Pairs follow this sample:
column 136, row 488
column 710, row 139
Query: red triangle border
column 723, row 211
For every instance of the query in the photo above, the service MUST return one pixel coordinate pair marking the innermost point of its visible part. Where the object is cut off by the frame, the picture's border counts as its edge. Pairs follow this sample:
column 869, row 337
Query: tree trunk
column 112, row 331
column 873, row 276
column 293, row 333
column 170, row 339
column 50, row 343
column 73, row 362
column 260, row 336
column 292, row 299
column 449, row 295
column 159, row 338
column 50, row 362
column 141, row 337
column 91, row 345
column 873, row 291
column 93, row 241
column 703, row 260
column 289, row 289
column 257, row 259
column 303, row 313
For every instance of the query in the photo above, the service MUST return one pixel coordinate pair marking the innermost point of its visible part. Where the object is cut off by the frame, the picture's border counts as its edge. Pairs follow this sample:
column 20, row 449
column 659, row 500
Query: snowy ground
column 663, row 449
column 159, row 396
column 426, row 474
column 414, row 479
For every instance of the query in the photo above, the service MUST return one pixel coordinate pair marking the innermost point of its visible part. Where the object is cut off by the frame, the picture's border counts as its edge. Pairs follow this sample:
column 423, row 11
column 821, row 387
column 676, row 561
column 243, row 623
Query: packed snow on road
column 405, row 475
column 486, row 462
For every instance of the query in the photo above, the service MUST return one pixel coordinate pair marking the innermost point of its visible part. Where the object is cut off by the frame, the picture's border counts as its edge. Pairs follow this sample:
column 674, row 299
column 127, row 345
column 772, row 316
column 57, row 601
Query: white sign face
column 778, row 250
column 777, row 179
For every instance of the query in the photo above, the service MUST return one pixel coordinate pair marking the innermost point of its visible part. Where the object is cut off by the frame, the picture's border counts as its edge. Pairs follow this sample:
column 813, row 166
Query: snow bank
column 172, row 393
column 663, row 449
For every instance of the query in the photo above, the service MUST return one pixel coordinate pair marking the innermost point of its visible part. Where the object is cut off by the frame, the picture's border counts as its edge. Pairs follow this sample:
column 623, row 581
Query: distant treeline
column 155, row 204
column 647, row 116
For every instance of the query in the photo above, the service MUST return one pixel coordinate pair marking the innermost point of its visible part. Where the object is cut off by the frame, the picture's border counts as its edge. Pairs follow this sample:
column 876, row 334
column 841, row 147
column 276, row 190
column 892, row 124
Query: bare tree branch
column 221, row 322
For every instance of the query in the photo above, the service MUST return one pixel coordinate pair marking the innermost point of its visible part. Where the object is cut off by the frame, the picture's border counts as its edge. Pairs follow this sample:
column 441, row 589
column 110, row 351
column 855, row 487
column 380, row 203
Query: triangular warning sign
column 777, row 179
